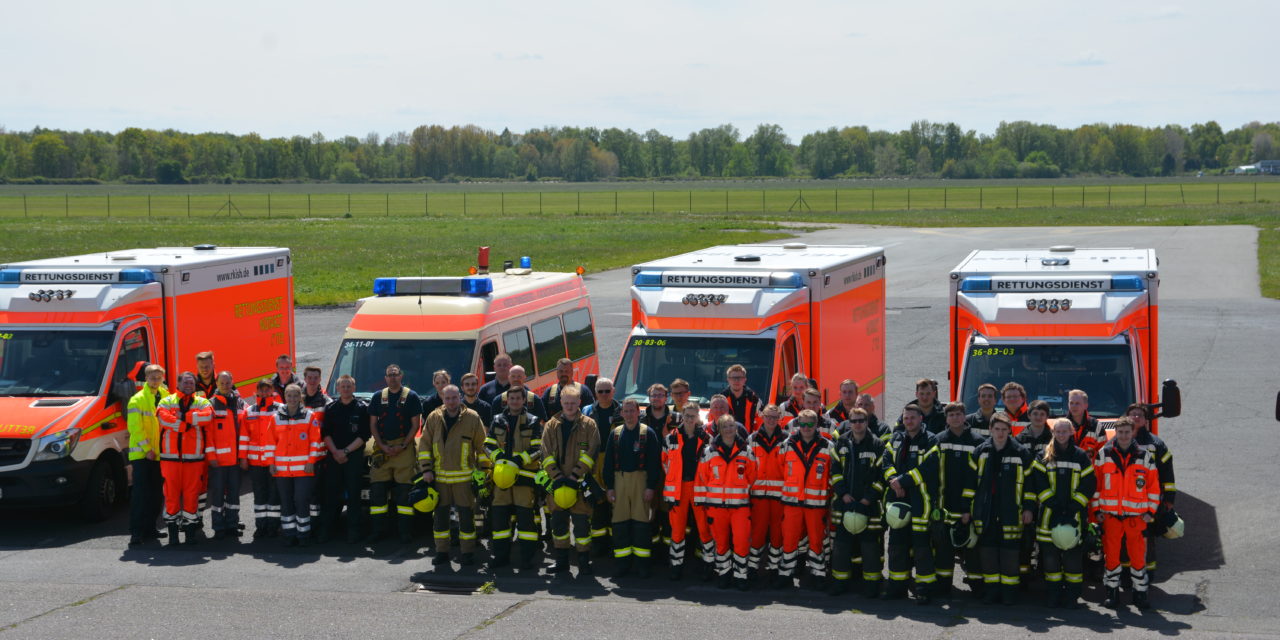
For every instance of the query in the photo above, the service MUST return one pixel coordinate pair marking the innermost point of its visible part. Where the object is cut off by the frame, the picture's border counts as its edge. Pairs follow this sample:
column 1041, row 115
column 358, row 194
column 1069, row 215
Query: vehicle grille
column 13, row 450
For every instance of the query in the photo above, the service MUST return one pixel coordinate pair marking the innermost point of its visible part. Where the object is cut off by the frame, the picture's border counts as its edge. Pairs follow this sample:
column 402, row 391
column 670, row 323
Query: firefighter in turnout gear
column 146, row 500
column 604, row 411
column 395, row 418
column 1036, row 436
column 1127, row 498
column 632, row 476
column 767, row 447
column 564, row 380
column 452, row 447
column 979, row 422
column 807, row 466
column 259, row 422
column 910, row 466
column 680, row 457
column 225, row 448
column 516, row 438
column 935, row 421
column 183, row 416
column 1064, row 482
column 569, row 445
column 858, row 486
column 726, row 473
column 956, row 483
column 1002, row 506
column 1140, row 416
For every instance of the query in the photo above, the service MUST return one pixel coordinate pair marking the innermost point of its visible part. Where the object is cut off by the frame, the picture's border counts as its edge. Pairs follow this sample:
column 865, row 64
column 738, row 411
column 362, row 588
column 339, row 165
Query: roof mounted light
column 469, row 286
column 10, row 276
column 1127, row 283
column 976, row 283
column 786, row 280
column 648, row 279
column 137, row 276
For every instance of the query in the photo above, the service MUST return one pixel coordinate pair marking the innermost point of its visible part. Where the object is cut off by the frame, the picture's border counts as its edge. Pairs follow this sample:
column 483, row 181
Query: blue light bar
column 384, row 286
column 648, row 279
column 10, row 275
column 525, row 262
column 786, row 281
column 137, row 276
column 1127, row 283
column 480, row 286
column 976, row 283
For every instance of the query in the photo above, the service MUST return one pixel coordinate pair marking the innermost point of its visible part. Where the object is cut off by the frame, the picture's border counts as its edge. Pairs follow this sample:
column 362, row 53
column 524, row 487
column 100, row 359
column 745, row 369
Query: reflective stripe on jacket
column 182, row 433
column 726, row 473
column 295, row 444
column 144, row 428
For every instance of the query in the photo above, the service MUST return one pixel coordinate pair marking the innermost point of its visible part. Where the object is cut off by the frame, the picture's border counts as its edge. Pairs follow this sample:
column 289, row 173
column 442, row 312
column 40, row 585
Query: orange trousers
column 731, row 526
column 766, row 529
column 183, row 484
column 798, row 522
column 678, row 516
column 1129, row 531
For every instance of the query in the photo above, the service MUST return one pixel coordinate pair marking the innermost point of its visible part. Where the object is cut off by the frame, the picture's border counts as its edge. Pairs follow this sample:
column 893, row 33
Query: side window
column 133, row 349
column 787, row 358
column 578, row 333
column 548, row 341
column 488, row 353
column 518, row 347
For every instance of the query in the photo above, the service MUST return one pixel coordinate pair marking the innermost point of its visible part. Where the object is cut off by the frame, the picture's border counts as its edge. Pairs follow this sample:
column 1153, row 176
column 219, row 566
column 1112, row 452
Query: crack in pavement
column 494, row 618
column 65, row 606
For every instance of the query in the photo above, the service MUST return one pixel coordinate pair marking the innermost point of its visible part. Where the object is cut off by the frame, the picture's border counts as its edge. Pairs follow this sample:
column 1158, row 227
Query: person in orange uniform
column 1015, row 404
column 1126, row 501
column 743, row 402
column 259, row 423
column 681, row 450
column 1088, row 434
column 766, row 445
column 225, row 450
column 794, row 404
column 183, row 416
column 293, row 456
column 726, row 472
column 206, row 379
column 807, row 465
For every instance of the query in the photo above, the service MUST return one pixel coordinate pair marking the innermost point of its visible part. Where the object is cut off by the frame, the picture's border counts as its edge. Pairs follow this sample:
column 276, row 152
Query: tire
column 104, row 492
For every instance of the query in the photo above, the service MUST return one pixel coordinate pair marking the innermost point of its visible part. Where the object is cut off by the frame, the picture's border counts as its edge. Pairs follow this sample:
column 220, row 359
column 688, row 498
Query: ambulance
column 1059, row 319
column 461, row 324
column 776, row 309
column 72, row 329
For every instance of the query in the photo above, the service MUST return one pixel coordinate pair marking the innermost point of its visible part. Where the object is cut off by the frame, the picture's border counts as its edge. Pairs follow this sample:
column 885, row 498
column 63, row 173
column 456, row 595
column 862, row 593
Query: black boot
column 1140, row 600
column 441, row 559
column 528, row 553
column 1055, row 595
column 378, row 529
column 837, row 587
column 1112, row 599
column 584, row 564
column 894, row 590
column 676, row 572
column 642, row 567
column 193, row 533
column 725, row 581
column 1071, row 595
column 781, row 582
column 871, row 589
column 173, row 533
column 742, row 583
column 1009, row 594
column 562, row 562
column 621, row 566
column 991, row 593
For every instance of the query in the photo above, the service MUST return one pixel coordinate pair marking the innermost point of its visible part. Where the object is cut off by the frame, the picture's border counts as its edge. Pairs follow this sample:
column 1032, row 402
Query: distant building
column 1246, row 170
column 1268, row 166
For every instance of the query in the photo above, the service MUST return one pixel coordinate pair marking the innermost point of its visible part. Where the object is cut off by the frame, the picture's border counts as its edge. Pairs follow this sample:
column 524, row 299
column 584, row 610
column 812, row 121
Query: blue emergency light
column 10, row 276
column 648, row 279
column 137, row 276
column 525, row 262
column 976, row 283
column 384, row 286
column 471, row 286
column 480, row 286
column 1127, row 283
column 784, row 280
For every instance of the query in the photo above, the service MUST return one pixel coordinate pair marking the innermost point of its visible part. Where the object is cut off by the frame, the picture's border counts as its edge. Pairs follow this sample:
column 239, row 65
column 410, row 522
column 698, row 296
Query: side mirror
column 590, row 381
column 1170, row 399
column 490, row 376
column 121, row 391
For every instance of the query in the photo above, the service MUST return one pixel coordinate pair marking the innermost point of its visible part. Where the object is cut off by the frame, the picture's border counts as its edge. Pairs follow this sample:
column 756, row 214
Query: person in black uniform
column 606, row 415
column 910, row 466
column 490, row 391
column 1036, row 436
column 935, row 421
column 979, row 422
column 958, row 480
column 470, row 387
column 743, row 402
column 1002, row 506
column 533, row 403
column 1140, row 416
column 345, row 430
column 564, row 380
column 858, row 486
column 440, row 379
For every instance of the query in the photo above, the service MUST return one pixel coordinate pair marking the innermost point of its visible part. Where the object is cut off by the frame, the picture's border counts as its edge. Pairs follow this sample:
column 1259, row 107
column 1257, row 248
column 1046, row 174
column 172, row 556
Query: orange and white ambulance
column 72, row 329
column 1059, row 319
column 461, row 324
column 776, row 309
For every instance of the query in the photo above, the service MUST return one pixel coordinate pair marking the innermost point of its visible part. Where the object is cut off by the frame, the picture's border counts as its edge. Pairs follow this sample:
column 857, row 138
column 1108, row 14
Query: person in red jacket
column 727, row 472
column 743, row 402
column 1126, row 501
column 766, row 445
column 183, row 416
column 681, row 450
column 807, row 466
column 259, row 433
column 1015, row 404
column 225, row 450
column 1088, row 435
column 293, row 455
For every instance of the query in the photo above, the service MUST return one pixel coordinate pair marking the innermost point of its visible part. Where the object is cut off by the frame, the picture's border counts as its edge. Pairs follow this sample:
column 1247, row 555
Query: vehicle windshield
column 1049, row 371
column 700, row 360
column 366, row 360
column 53, row 363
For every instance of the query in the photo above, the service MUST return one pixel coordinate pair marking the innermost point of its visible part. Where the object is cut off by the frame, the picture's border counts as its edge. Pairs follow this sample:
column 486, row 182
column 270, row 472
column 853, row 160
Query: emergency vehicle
column 72, row 329
column 461, row 324
column 776, row 309
column 1059, row 319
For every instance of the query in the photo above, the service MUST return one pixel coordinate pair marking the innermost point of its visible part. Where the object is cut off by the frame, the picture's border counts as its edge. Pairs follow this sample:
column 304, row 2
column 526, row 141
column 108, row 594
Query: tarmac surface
column 60, row 577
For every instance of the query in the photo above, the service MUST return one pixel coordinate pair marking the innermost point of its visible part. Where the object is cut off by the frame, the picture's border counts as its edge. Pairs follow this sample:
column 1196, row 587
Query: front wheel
column 104, row 492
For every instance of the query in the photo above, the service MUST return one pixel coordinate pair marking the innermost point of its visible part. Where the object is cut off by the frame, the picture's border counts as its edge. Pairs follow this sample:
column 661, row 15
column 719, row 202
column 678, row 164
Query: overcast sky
column 283, row 68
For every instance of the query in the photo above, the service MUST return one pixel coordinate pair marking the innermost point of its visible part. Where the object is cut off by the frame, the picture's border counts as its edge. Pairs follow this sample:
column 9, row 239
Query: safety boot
column 1140, row 600
column 1112, row 599
column 1071, row 595
column 725, row 581
column 1054, row 593
column 562, row 562
column 584, row 564
column 675, row 573
column 1009, row 594
column 837, row 587
column 871, row 589
column 173, row 533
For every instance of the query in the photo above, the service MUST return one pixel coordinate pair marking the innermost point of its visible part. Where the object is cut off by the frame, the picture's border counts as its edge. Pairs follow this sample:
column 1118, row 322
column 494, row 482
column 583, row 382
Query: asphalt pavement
column 60, row 577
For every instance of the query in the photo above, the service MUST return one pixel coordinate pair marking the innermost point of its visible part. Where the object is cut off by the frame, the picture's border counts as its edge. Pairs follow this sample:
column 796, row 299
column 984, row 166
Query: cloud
column 854, row 35
column 519, row 57
column 1086, row 59
column 1166, row 12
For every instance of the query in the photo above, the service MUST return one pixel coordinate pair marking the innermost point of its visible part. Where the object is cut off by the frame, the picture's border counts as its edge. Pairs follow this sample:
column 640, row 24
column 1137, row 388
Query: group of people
column 755, row 493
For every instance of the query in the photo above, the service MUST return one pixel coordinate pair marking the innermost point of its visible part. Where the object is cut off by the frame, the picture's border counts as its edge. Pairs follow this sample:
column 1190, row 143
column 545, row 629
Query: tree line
column 925, row 149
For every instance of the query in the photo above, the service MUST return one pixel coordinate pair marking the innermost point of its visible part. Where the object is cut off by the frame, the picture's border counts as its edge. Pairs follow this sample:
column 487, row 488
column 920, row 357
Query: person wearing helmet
column 767, row 447
column 569, row 445
column 857, row 485
column 450, row 450
column 808, row 465
column 1036, row 436
column 910, row 466
column 1127, row 500
column 1063, row 482
column 604, row 411
column 680, row 464
column 632, row 476
column 726, row 473
column 956, row 479
column 1002, row 506
column 515, row 443
column 1140, row 416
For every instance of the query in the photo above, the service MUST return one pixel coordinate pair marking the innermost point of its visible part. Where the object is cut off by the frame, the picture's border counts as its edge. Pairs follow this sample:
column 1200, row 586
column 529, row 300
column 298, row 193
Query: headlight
column 57, row 446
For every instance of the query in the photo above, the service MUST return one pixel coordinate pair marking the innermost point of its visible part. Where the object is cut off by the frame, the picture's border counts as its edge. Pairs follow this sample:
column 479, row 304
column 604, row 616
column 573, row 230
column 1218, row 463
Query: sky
column 283, row 67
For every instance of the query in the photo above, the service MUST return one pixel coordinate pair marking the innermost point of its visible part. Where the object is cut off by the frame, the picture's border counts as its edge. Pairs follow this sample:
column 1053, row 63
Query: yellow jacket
column 144, row 428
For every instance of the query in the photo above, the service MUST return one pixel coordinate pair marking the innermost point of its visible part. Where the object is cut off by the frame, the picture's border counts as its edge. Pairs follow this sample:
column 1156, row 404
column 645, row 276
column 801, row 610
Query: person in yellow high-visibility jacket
column 146, row 499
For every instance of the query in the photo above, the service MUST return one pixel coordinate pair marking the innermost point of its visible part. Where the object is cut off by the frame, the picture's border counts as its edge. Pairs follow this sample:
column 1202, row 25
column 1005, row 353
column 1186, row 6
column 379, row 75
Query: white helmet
column 1177, row 529
column 1065, row 536
column 897, row 514
column 855, row 522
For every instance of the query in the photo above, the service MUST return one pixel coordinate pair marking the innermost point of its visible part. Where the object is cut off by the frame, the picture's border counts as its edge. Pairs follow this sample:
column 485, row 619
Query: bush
column 169, row 172
column 348, row 173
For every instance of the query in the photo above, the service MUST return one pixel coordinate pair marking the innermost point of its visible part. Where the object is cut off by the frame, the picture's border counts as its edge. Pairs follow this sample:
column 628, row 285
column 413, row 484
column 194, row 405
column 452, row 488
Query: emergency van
column 776, row 309
column 461, row 324
column 1059, row 319
column 72, row 329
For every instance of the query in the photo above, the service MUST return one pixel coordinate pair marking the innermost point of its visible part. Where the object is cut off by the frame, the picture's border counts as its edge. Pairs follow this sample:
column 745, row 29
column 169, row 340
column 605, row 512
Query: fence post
column 1255, row 193
column 308, row 205
column 1108, row 196
column 762, row 209
column 66, row 205
column 1017, row 197
column 24, row 205
column 908, row 198
column 1217, row 195
column 503, row 205
column 980, row 199
column 653, row 202
column 269, row 205
column 109, row 204
column 148, row 205
column 348, row 203
column 1053, row 196
column 615, row 201
column 188, row 205
column 1144, row 195
column 873, row 198
column 1081, row 196
column 388, row 204
column 539, row 203
column 944, row 197
column 1182, row 193
column 464, row 203
column 837, row 192
column 579, row 207
column 690, row 201
column 425, row 205
column 726, row 198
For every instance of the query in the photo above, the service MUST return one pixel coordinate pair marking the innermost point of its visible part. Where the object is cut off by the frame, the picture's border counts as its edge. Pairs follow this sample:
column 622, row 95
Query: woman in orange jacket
column 726, row 473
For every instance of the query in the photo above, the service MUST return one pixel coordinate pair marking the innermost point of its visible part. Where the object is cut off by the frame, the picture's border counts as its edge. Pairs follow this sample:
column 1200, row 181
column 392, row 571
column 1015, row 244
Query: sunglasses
column 806, row 424
column 859, row 421
column 604, row 390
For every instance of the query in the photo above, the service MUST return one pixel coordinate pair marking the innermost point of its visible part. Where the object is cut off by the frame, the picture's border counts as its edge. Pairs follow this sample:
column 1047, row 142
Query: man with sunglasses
column 808, row 464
